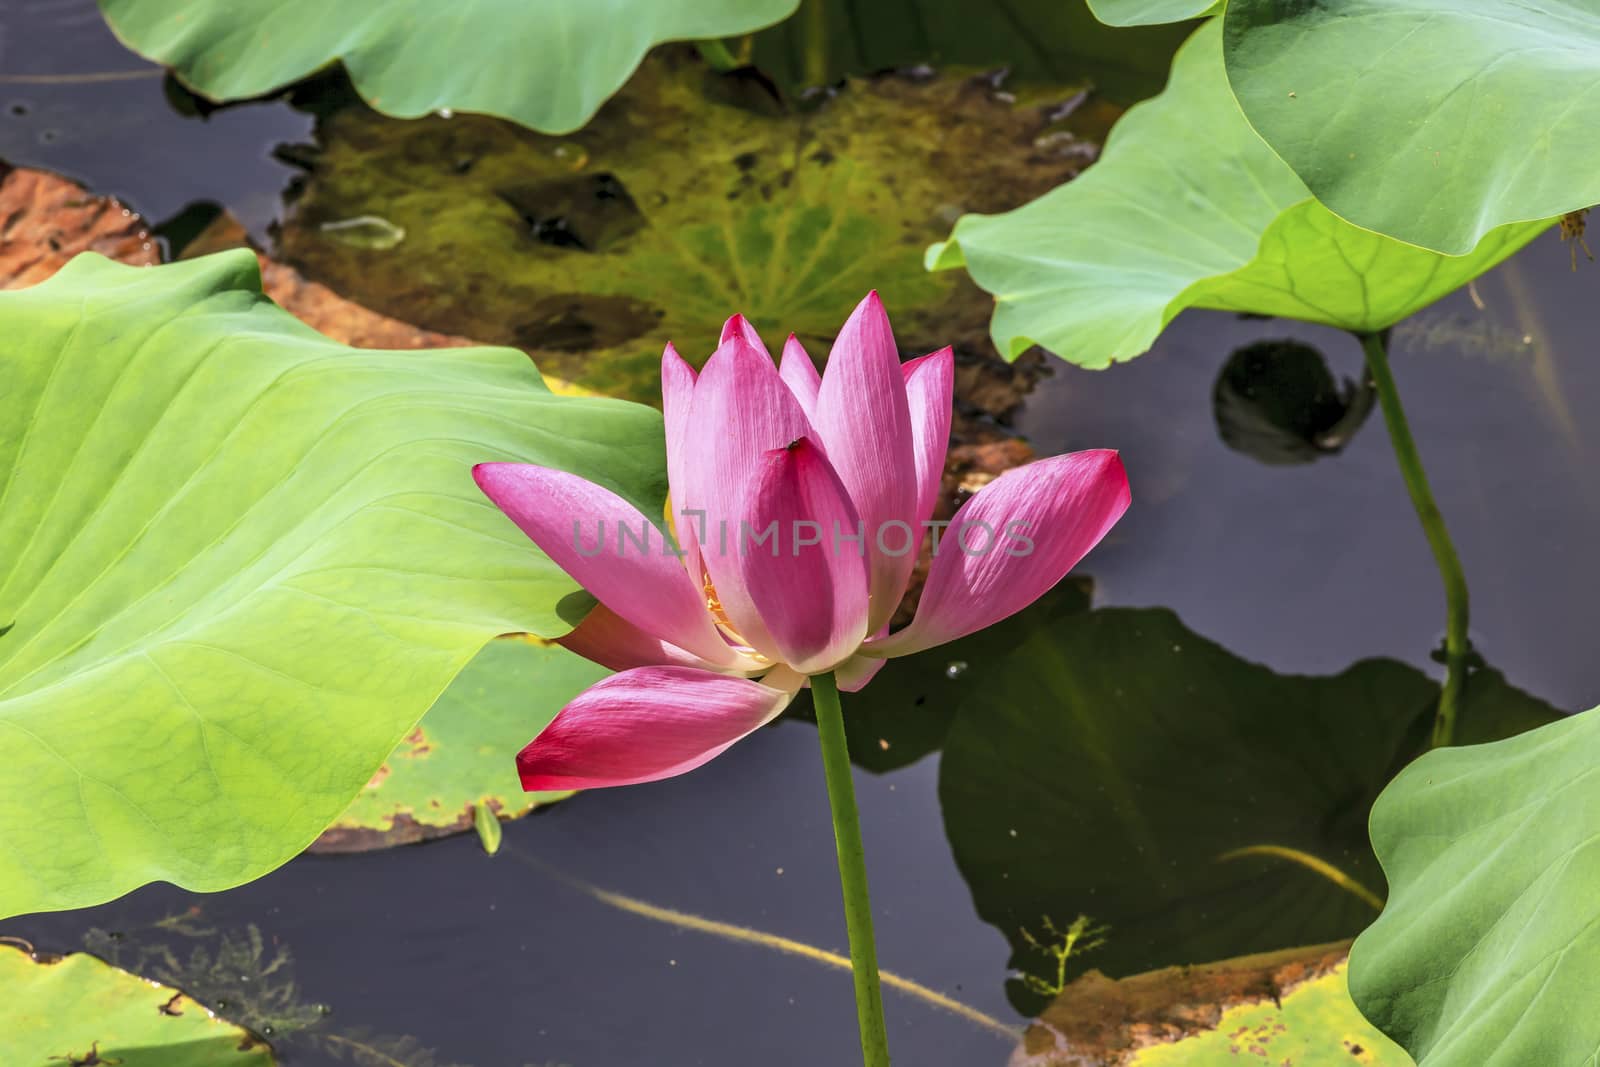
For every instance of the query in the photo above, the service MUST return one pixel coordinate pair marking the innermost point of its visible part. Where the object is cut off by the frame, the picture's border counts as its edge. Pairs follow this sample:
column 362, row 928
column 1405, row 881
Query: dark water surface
column 515, row 960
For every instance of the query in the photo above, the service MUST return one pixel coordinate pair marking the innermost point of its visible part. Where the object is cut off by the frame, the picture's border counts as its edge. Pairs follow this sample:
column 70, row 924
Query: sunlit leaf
column 548, row 64
column 1489, row 940
column 1189, row 208
column 457, row 769
column 1150, row 12
column 79, row 1010
column 1432, row 121
column 239, row 561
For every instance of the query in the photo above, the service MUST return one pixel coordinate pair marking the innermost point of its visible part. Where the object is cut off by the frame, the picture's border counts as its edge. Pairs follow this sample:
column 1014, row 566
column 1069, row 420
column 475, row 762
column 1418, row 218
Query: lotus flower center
column 725, row 625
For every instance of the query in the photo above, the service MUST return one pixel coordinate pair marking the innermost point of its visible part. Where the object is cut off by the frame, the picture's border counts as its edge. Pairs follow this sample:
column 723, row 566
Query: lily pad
column 459, row 761
column 1432, row 121
column 1189, row 208
column 1286, row 1007
column 1121, row 767
column 1489, row 941
column 238, row 561
column 80, row 1010
column 548, row 64
column 674, row 209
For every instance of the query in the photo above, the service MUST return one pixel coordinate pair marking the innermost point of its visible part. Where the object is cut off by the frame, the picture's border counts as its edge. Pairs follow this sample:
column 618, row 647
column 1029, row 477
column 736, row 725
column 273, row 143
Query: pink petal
column 854, row 673
column 741, row 411
column 739, row 326
column 1064, row 505
column 800, row 375
column 930, row 391
column 865, row 425
column 612, row 641
column 644, row 725
column 628, row 569
column 677, row 392
column 807, row 581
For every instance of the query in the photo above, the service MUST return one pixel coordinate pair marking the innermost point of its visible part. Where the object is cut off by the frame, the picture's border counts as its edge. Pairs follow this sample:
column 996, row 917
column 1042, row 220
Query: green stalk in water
column 1456, row 645
column 852, row 869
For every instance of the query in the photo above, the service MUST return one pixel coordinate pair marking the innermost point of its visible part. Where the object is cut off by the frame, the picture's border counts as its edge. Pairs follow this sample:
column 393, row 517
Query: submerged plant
column 800, row 505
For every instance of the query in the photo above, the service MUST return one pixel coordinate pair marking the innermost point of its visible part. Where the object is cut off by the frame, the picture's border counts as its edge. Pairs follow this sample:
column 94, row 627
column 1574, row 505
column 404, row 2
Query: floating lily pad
column 674, row 209
column 238, row 561
column 460, row 759
column 545, row 63
column 80, row 1010
column 1432, row 121
column 1287, row 1007
column 1188, row 207
column 1121, row 767
column 1488, row 943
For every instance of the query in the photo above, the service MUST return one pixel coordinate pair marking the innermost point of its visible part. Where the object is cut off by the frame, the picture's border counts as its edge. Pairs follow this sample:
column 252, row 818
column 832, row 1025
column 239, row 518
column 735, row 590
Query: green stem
column 717, row 55
column 1456, row 647
column 852, row 868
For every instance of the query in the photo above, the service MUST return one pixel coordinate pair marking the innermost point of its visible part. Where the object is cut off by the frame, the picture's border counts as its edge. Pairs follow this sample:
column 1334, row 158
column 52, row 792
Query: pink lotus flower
column 714, row 635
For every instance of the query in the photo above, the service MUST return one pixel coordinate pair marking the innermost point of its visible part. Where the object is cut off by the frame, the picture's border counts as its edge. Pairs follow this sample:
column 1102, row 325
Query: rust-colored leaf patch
column 45, row 220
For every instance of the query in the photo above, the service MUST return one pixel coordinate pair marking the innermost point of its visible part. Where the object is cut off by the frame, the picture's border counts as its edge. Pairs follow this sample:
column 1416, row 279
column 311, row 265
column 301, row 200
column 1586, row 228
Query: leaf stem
column 717, row 55
column 852, row 868
column 1456, row 644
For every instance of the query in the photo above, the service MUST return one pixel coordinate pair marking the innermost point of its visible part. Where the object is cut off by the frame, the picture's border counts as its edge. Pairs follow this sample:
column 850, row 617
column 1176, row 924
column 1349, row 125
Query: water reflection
column 1277, row 401
column 75, row 101
column 1116, row 768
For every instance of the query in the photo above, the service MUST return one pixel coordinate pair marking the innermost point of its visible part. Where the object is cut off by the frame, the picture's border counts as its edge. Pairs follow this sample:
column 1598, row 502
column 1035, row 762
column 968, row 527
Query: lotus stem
column 852, row 869
column 1456, row 644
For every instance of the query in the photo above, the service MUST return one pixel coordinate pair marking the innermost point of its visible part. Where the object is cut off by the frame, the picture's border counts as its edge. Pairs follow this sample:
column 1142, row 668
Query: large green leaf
column 461, row 757
column 595, row 250
column 1122, row 767
column 1488, row 949
column 548, row 64
column 79, row 1010
column 1432, row 121
column 1189, row 208
column 238, row 561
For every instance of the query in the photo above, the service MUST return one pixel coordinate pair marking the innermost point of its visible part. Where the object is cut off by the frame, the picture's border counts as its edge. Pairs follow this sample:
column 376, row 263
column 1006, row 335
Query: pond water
column 1306, row 569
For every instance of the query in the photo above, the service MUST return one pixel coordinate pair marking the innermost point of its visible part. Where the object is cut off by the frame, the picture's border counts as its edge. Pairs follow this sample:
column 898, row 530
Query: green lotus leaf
column 1189, row 208
column 459, row 763
column 548, row 64
column 1121, row 767
column 1431, row 121
column 238, row 561
column 80, row 1010
column 1489, row 941
column 1150, row 12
